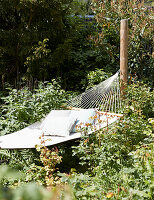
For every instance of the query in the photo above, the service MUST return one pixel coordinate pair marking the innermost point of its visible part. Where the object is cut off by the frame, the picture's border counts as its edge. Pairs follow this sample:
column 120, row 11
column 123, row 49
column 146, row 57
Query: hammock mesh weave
column 105, row 96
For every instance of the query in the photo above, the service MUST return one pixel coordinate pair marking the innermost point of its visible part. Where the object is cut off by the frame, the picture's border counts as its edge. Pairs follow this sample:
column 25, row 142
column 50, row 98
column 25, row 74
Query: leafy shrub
column 108, row 15
column 140, row 100
column 139, row 178
column 23, row 107
column 119, row 159
column 9, row 176
column 44, row 175
column 94, row 77
column 29, row 191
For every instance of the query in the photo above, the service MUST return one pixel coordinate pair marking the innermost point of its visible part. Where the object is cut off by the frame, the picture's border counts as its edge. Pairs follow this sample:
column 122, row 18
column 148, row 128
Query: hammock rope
column 105, row 96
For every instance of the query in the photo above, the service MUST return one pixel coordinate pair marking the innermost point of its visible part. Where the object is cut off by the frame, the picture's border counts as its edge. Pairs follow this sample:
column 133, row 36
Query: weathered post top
column 123, row 52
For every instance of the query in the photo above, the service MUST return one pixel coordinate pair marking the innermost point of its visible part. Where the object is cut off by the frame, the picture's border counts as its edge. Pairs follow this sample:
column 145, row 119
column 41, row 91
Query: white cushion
column 58, row 123
column 83, row 116
column 55, row 113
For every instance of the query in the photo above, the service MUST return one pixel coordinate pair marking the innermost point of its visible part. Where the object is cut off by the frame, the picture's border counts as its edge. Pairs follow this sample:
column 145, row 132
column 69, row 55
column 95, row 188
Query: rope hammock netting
column 105, row 96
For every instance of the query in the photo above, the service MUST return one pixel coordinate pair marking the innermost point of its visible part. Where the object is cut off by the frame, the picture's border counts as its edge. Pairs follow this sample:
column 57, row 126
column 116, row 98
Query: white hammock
column 59, row 126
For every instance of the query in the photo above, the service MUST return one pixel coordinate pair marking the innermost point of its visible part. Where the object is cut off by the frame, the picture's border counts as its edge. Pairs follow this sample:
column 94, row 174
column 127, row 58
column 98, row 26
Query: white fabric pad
column 58, row 123
column 83, row 116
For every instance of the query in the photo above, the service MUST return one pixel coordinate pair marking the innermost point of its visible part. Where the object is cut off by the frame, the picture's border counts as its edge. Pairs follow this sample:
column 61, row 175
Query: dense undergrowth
column 120, row 160
column 115, row 162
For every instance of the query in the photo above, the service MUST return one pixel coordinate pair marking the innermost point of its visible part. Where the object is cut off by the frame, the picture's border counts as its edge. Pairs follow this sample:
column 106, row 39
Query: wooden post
column 123, row 53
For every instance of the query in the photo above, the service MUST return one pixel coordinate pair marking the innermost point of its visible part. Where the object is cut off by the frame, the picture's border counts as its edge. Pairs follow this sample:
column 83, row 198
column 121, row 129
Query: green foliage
column 95, row 77
column 31, row 191
column 20, row 185
column 36, row 64
column 26, row 54
column 141, row 172
column 23, row 24
column 140, row 100
column 23, row 107
column 108, row 15
column 119, row 158
column 18, row 159
column 42, row 40
column 9, row 176
column 44, row 175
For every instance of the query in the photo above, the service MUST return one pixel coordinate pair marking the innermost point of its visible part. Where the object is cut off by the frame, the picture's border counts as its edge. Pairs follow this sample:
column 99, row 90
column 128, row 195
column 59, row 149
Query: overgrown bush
column 22, row 108
column 119, row 159
column 94, row 77
column 30, row 191
column 45, row 175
